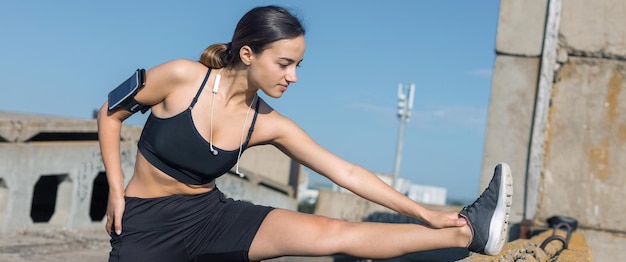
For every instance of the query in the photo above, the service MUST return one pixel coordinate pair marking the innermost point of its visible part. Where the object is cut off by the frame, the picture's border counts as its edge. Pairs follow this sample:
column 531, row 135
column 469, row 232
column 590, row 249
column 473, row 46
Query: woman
column 203, row 115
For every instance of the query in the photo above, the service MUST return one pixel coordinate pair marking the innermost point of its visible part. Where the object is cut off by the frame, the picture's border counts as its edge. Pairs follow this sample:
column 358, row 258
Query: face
column 274, row 68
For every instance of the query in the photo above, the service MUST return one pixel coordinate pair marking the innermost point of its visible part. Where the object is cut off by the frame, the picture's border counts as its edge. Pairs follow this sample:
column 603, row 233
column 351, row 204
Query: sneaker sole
column 499, row 224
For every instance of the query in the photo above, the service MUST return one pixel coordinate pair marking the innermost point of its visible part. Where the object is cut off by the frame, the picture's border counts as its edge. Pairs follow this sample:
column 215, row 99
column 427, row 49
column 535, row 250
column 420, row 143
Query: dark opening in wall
column 3, row 197
column 45, row 197
column 99, row 197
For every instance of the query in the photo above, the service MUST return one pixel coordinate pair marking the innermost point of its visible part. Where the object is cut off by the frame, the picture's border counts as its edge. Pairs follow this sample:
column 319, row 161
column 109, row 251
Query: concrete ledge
column 530, row 250
column 258, row 190
column 521, row 27
column 594, row 28
column 52, row 175
column 350, row 207
column 21, row 127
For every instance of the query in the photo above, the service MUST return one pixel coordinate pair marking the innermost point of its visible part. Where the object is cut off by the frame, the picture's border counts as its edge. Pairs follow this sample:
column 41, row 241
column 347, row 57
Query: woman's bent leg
column 289, row 233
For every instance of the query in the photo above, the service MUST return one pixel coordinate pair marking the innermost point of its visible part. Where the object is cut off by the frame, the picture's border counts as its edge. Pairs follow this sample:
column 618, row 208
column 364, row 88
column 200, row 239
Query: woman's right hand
column 443, row 219
column 115, row 211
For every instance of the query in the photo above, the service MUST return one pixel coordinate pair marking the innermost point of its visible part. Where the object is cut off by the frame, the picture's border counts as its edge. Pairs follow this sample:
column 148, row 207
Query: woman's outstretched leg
column 286, row 232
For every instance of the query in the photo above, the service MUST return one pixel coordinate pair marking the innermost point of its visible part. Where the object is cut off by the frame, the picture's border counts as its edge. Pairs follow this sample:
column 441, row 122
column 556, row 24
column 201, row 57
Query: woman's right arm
column 109, row 127
column 160, row 81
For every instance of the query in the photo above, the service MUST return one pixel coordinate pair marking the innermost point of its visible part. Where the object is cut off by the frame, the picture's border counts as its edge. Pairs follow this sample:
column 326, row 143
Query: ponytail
column 216, row 56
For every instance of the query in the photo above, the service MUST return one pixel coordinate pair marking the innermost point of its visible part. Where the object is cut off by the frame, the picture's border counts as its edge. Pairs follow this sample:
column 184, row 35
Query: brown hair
column 258, row 28
column 214, row 56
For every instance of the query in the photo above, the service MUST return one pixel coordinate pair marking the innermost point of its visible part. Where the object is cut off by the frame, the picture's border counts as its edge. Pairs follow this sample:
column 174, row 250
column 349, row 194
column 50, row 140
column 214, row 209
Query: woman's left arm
column 293, row 141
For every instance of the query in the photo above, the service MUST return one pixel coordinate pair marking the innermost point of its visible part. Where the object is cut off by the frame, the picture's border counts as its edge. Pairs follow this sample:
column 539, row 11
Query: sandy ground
column 71, row 246
column 54, row 246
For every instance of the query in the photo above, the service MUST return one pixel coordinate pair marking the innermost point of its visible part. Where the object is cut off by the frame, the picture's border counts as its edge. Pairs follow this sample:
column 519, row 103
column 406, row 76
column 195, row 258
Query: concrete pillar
column 584, row 144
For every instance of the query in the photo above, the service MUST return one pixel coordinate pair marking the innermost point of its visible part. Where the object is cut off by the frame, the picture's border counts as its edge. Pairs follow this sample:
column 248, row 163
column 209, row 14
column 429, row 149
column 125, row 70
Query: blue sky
column 62, row 57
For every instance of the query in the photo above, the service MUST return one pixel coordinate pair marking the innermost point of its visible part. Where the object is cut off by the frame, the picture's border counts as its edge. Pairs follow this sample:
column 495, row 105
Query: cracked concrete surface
column 54, row 246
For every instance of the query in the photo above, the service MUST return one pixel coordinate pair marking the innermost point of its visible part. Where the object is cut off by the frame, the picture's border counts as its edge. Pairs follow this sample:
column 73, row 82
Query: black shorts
column 205, row 227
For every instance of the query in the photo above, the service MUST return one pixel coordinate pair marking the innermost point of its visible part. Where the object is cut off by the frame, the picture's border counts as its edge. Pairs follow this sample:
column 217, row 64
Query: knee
column 331, row 233
column 332, row 226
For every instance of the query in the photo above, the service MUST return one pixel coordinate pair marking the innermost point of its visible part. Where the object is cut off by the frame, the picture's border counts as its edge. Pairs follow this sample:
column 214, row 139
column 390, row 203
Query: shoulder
column 177, row 71
column 272, row 125
column 166, row 78
column 269, row 114
column 181, row 65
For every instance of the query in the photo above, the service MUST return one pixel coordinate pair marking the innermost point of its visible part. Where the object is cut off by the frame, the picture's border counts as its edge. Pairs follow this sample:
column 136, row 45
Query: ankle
column 465, row 236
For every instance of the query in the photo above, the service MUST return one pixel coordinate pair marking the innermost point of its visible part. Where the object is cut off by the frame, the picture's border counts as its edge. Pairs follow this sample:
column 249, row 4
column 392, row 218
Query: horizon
column 63, row 58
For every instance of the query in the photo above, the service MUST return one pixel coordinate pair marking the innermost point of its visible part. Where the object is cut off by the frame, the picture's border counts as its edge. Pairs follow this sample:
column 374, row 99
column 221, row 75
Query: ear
column 246, row 54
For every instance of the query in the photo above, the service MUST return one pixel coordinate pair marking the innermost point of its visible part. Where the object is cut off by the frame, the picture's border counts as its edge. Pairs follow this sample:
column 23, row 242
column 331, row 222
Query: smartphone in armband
column 123, row 96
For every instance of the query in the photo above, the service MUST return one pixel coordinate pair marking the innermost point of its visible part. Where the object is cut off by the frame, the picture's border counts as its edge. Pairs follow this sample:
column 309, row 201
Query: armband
column 123, row 96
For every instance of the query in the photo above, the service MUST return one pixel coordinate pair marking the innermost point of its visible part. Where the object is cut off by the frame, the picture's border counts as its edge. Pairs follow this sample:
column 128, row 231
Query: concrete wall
column 583, row 147
column 267, row 161
column 51, row 173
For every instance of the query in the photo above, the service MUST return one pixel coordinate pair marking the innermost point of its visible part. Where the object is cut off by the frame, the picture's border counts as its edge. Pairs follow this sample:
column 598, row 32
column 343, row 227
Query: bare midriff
column 150, row 182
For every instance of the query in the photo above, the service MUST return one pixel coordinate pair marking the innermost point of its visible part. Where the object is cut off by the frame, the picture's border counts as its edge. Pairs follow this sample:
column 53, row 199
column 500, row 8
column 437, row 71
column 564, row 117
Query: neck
column 234, row 86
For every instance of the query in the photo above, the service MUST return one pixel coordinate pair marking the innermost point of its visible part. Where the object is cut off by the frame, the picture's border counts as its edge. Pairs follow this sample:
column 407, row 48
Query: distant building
column 419, row 193
column 428, row 194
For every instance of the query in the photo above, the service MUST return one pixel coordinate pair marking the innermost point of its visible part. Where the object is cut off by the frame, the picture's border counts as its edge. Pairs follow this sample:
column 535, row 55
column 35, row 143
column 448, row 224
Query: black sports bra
column 174, row 146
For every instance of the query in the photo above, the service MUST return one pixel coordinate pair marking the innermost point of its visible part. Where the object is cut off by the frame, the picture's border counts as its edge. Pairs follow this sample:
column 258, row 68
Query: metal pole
column 405, row 104
column 396, row 168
